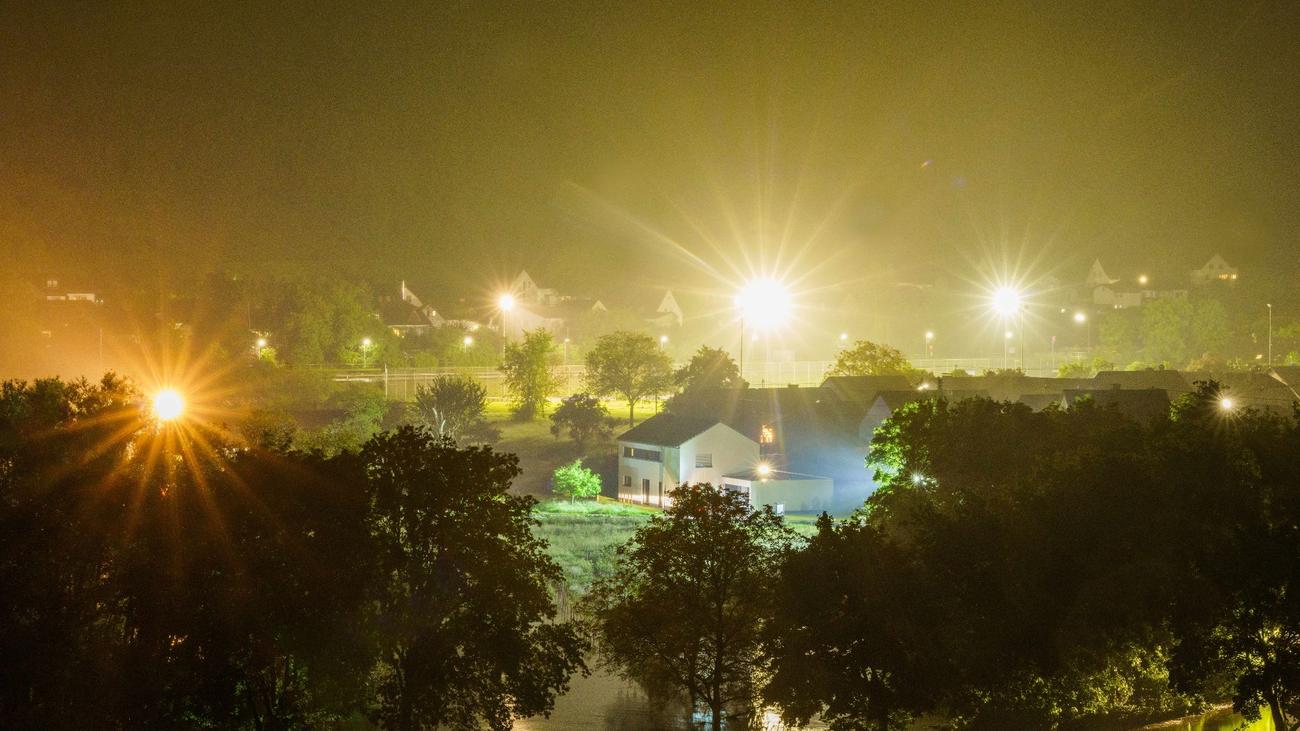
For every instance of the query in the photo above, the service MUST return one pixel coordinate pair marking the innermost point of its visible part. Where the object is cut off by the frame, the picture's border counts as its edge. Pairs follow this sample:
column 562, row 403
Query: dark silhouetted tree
column 687, row 605
column 584, row 417
column 465, row 617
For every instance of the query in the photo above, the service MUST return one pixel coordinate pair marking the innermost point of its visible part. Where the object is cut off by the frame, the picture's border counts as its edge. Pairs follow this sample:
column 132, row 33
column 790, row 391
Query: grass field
column 540, row 453
column 583, row 535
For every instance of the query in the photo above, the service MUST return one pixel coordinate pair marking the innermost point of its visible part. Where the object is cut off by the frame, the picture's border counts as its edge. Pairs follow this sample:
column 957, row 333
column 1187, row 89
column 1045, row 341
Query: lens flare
column 168, row 404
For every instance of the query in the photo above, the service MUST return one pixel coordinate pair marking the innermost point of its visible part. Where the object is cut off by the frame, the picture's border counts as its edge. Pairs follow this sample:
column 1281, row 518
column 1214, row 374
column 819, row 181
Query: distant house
column 1215, row 270
column 540, row 308
column 667, row 313
column 1097, row 276
column 1140, row 404
column 406, row 314
column 668, row 450
column 791, row 492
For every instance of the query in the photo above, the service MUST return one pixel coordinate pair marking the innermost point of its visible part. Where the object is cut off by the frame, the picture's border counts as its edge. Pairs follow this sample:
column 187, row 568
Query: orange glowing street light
column 168, row 405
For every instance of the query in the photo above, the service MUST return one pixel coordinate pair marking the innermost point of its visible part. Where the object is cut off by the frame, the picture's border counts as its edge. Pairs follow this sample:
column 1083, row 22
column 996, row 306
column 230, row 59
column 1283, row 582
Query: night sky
column 611, row 144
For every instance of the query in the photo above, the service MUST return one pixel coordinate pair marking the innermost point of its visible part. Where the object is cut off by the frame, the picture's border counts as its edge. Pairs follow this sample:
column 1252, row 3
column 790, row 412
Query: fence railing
column 400, row 384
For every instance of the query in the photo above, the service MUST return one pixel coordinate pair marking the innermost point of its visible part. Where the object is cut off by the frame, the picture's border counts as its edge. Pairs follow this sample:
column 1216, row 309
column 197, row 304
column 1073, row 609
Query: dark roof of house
column 1141, row 404
column 666, row 430
column 1040, row 401
column 863, row 389
column 396, row 312
column 1168, row 380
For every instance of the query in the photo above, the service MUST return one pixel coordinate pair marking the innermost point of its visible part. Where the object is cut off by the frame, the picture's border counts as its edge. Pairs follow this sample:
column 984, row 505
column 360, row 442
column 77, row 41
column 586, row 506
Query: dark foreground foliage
column 1034, row 570
column 160, row 576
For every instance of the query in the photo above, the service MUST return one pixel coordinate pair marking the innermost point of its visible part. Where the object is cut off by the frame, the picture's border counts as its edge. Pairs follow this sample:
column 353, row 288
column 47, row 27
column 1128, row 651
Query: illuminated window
column 767, row 435
column 703, row 460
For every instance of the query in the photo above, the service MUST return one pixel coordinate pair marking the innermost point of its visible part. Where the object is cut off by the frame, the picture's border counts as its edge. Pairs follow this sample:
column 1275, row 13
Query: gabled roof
column 667, row 430
column 1169, row 380
column 1140, row 404
column 1097, row 275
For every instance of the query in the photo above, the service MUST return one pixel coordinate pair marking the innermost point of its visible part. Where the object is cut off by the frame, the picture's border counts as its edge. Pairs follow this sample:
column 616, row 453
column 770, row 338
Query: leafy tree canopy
column 630, row 366
column 866, row 358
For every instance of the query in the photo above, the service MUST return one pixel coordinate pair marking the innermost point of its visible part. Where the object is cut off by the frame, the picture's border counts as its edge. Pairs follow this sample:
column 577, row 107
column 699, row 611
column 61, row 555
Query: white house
column 1215, row 270
column 667, row 450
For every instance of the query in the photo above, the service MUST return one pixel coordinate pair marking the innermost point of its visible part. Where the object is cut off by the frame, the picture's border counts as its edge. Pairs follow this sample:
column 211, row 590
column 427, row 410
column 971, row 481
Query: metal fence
column 400, row 384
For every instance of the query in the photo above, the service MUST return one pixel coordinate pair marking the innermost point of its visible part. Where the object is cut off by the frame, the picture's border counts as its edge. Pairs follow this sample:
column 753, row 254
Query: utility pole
column 1270, row 334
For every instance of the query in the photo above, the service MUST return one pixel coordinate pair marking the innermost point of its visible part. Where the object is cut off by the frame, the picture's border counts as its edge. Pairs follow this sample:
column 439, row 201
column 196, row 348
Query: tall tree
column 465, row 617
column 687, row 605
column 866, row 358
column 453, row 407
column 629, row 365
column 528, row 373
column 583, row 416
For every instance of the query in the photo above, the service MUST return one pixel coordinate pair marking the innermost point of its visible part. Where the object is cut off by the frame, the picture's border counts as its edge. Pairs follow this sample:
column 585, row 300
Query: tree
column 866, row 358
column 464, row 616
column 583, row 416
column 453, row 407
column 575, row 481
column 1084, row 368
column 687, row 604
column 1011, row 571
column 709, row 368
column 629, row 365
column 528, row 374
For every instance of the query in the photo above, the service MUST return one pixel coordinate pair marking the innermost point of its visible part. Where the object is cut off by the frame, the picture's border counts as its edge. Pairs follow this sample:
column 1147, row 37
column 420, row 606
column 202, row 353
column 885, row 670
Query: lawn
column 540, row 453
column 583, row 536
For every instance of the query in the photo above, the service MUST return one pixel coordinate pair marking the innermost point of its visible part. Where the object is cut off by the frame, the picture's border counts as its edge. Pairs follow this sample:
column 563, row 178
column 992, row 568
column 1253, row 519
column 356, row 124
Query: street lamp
column 1081, row 319
column 168, row 405
column 1270, row 334
column 1142, row 280
column 1008, row 302
column 467, row 341
column 763, row 302
column 929, row 343
column 365, row 351
column 505, row 304
column 261, row 343
column 1226, row 403
column 764, row 469
column 663, row 340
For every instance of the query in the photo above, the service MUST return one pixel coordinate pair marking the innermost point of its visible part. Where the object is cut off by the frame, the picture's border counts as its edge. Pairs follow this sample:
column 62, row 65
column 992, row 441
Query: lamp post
column 764, row 302
column 365, row 352
column 505, row 303
column 1007, row 302
column 929, row 343
column 1270, row 334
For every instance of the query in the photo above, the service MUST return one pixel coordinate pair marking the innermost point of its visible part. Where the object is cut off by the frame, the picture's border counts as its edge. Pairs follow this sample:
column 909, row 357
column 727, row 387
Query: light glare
column 168, row 404
column 764, row 303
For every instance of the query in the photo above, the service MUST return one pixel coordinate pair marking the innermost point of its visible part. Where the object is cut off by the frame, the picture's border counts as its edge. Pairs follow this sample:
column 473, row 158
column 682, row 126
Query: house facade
column 786, row 492
column 1215, row 270
column 667, row 450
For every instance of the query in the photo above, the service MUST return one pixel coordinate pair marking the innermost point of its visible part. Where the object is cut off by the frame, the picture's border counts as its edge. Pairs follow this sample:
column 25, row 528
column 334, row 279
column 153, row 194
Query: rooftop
column 667, row 430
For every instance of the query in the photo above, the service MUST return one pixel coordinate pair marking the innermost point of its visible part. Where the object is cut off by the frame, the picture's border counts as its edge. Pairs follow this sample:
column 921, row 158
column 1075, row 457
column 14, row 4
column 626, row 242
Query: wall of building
column 730, row 451
column 797, row 496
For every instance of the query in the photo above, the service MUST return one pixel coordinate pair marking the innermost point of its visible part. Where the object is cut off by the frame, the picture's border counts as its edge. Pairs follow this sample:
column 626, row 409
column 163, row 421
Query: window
column 767, row 435
column 627, row 480
column 703, row 460
column 648, row 455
